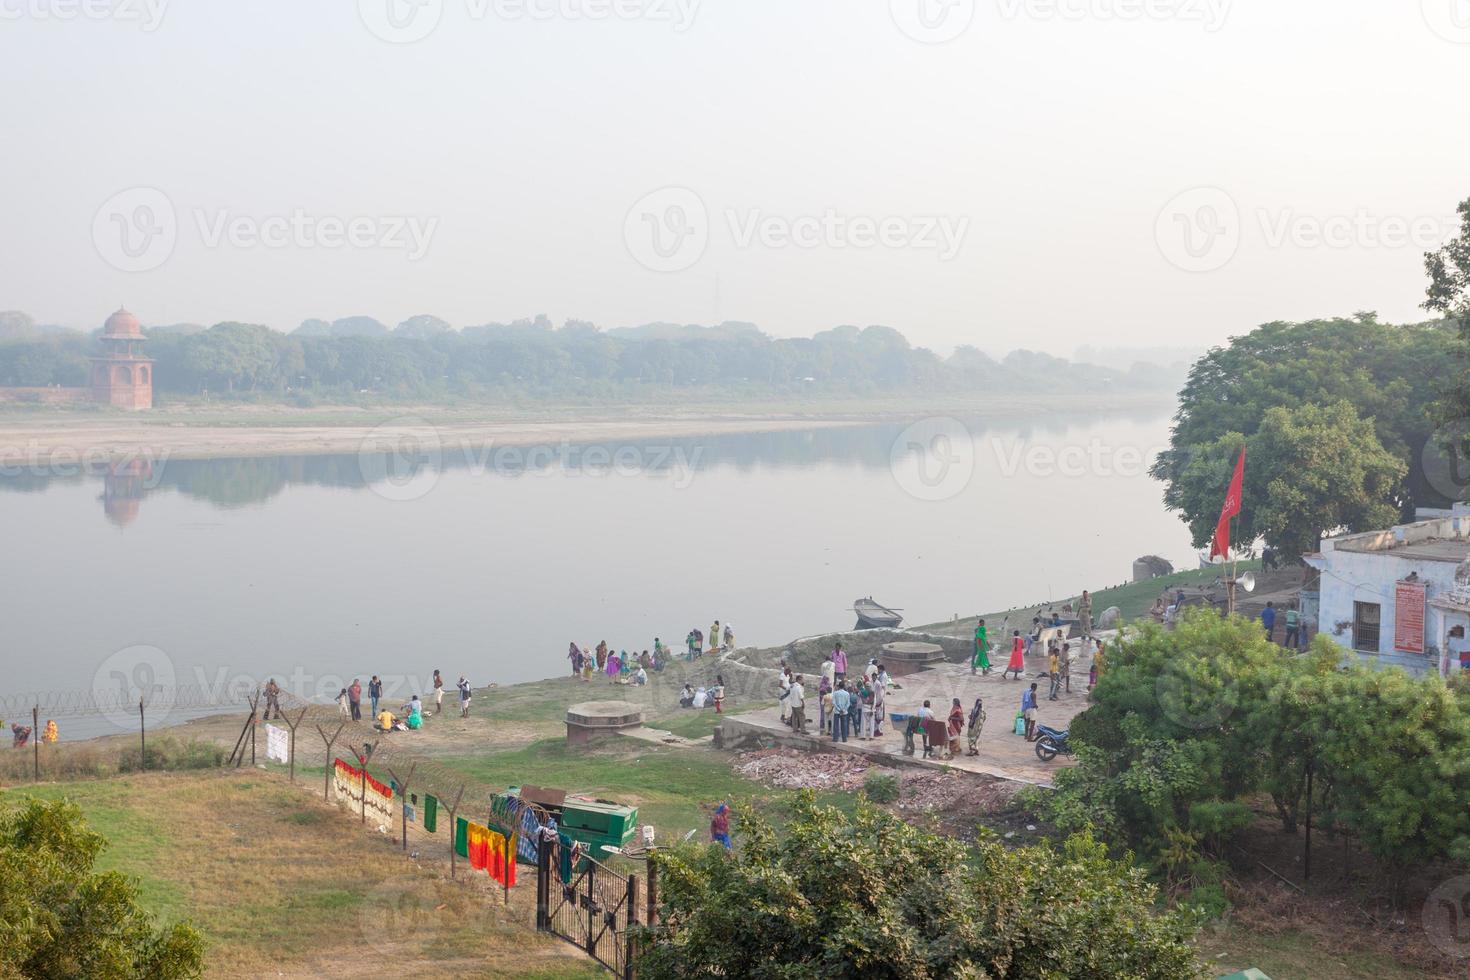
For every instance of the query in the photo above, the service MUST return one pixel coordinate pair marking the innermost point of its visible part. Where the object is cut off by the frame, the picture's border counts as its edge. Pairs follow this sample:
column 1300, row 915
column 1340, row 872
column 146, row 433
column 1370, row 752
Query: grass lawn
column 282, row 884
column 670, row 786
column 1291, row 955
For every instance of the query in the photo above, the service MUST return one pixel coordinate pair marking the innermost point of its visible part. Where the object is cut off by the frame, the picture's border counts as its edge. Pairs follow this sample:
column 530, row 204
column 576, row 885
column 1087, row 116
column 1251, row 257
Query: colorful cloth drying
column 431, row 813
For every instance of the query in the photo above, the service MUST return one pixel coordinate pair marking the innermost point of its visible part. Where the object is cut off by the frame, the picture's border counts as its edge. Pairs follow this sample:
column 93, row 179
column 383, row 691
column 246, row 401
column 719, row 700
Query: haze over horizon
column 1050, row 175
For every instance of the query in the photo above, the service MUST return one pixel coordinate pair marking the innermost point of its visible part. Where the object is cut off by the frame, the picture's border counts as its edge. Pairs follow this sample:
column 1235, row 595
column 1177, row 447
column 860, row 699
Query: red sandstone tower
column 121, row 376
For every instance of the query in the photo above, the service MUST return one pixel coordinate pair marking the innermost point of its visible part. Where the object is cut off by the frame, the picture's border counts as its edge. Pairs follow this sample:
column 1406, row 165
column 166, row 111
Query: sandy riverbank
column 195, row 432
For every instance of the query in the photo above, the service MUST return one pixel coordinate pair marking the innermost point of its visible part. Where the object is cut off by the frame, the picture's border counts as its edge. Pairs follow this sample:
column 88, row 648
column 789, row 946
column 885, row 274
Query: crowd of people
column 620, row 666
column 852, row 704
column 408, row 718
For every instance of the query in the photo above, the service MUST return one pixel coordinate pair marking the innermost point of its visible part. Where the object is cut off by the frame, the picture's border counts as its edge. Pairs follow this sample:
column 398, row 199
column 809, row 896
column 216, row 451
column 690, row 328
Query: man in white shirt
column 797, row 699
column 829, row 671
column 870, row 672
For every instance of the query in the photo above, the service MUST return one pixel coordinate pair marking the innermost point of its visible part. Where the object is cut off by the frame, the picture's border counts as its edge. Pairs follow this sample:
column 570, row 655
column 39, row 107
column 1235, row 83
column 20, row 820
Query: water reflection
column 237, row 482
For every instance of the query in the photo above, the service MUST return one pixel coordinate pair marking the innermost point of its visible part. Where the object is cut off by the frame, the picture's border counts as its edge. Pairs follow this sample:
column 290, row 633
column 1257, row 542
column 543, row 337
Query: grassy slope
column 279, row 881
column 1134, row 599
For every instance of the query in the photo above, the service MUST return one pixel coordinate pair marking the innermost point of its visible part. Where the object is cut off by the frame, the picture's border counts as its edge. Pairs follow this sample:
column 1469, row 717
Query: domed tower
column 121, row 375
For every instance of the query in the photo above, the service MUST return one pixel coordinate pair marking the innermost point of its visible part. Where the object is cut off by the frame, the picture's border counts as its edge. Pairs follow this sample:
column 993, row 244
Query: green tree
column 1449, row 295
column 60, row 919
column 1386, row 373
column 1325, row 469
column 872, row 896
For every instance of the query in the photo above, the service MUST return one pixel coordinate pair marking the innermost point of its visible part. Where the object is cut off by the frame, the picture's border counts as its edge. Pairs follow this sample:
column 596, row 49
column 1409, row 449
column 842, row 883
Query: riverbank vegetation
column 1191, row 730
column 537, row 361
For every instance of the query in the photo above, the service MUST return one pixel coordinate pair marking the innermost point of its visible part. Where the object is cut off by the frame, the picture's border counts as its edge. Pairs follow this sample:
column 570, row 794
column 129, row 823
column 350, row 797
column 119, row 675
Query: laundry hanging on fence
column 277, row 743
column 376, row 803
column 462, row 837
column 431, row 813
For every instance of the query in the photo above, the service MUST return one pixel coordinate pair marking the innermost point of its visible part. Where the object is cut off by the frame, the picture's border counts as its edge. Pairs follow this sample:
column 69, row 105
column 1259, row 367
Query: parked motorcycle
column 1051, row 743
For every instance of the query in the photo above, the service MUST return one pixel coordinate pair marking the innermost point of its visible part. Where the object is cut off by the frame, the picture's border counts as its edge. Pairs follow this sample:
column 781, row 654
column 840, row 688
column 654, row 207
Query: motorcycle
column 1051, row 743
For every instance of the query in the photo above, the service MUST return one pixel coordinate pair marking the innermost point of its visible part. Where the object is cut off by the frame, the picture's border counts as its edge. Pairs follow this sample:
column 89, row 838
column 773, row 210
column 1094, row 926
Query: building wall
column 45, row 396
column 1349, row 577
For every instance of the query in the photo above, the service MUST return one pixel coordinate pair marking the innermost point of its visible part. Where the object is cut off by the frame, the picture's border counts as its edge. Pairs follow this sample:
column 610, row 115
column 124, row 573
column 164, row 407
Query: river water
column 319, row 569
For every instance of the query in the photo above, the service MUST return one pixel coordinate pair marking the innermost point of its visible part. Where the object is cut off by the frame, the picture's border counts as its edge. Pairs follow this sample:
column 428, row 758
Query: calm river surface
column 319, row 569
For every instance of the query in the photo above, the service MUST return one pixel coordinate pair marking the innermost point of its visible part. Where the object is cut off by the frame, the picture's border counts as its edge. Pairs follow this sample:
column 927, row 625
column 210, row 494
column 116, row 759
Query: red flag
column 1221, row 545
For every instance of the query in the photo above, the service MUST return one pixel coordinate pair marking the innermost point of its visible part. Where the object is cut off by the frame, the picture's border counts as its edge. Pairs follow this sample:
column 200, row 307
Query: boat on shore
column 873, row 616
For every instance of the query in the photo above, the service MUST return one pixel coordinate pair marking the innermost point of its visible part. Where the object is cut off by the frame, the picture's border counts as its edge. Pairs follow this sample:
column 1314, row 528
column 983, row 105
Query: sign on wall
column 1408, row 619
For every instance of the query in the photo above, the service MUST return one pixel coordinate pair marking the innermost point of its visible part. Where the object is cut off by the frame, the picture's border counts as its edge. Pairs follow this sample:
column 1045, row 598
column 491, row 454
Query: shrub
column 61, row 918
column 872, row 896
column 881, row 787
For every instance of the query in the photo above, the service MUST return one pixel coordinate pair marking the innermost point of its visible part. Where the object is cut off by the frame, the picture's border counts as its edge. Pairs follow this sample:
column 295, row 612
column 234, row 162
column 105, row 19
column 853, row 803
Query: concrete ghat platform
column 1003, row 755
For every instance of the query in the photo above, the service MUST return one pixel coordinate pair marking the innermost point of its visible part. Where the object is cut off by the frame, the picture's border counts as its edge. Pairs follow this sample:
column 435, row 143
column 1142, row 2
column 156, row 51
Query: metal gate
column 594, row 911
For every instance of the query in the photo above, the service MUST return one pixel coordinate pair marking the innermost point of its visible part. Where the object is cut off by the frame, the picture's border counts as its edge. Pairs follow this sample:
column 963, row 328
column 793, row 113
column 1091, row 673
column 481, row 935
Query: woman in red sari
column 956, row 726
column 1018, row 655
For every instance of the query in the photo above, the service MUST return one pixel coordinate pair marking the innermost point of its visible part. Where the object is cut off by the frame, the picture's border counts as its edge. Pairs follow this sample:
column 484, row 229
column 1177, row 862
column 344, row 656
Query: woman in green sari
column 981, row 660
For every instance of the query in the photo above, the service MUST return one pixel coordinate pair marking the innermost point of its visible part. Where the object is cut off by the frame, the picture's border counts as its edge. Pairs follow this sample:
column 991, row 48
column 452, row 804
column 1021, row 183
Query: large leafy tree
column 60, row 919
column 871, row 896
column 1391, row 376
column 1449, row 295
column 1309, row 470
column 1327, row 471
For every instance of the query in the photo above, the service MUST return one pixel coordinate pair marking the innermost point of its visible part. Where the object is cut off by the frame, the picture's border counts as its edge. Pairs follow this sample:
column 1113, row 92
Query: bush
column 60, row 918
column 168, row 753
column 872, row 896
column 881, row 787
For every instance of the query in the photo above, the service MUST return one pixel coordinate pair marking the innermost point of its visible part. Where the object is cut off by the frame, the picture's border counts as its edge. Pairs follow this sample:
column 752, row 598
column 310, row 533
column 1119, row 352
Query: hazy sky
column 1039, row 173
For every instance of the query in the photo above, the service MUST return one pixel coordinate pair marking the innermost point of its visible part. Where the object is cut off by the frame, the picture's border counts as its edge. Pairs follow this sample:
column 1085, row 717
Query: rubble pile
column 791, row 769
column 951, row 792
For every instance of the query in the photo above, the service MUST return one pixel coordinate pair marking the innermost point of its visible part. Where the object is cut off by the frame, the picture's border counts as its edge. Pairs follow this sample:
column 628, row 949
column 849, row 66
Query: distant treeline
column 425, row 358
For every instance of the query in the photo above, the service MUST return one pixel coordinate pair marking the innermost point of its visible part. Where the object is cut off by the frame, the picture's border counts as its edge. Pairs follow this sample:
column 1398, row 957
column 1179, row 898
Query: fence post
column 36, row 738
column 453, row 830
column 403, row 795
column 591, row 904
column 630, row 949
column 142, row 738
column 651, row 917
column 543, row 889
column 331, row 763
column 253, row 727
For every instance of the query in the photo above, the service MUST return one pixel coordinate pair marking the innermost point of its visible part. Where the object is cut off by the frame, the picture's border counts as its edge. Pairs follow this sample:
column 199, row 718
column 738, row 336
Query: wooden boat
column 872, row 616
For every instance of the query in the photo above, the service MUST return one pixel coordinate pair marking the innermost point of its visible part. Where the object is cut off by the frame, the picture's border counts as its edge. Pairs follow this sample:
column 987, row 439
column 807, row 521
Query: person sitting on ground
column 385, row 721
column 415, row 713
column 686, row 698
column 701, row 697
column 50, row 736
column 641, row 678
column 22, row 735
